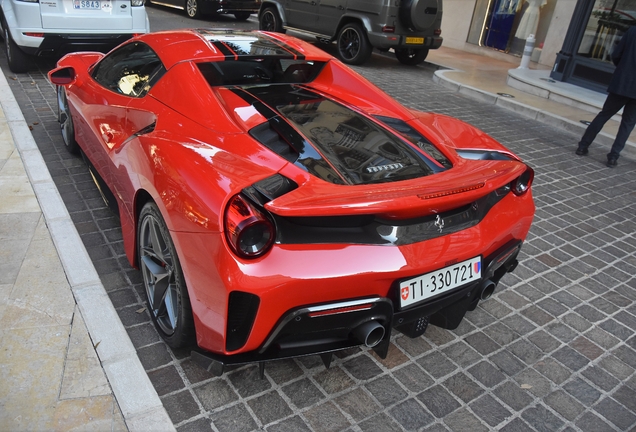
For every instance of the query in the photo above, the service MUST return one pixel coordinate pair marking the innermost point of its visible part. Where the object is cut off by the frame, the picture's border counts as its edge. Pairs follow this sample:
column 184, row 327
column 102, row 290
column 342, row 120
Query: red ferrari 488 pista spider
column 278, row 204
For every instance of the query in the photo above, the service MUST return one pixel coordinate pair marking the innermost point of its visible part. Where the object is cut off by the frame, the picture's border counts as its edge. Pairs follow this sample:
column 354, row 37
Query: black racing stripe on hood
column 262, row 109
column 225, row 50
column 293, row 51
column 327, row 135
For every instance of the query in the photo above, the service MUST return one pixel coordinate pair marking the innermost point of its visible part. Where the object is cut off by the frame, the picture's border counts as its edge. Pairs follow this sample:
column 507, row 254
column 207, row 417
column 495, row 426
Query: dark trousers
column 612, row 105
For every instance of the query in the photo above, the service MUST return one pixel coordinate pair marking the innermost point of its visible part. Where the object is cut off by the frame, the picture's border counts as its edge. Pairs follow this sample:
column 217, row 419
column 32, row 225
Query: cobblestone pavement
column 553, row 349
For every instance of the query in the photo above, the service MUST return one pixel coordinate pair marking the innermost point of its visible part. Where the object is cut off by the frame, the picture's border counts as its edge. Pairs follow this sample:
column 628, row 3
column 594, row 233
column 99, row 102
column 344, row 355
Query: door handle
column 340, row 7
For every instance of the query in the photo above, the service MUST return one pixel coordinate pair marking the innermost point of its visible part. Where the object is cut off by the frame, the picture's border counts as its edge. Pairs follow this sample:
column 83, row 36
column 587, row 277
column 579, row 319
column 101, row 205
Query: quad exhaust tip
column 370, row 333
column 488, row 287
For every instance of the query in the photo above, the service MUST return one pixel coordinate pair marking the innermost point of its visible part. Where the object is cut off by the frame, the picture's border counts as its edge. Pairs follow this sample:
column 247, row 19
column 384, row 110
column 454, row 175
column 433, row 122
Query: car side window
column 131, row 70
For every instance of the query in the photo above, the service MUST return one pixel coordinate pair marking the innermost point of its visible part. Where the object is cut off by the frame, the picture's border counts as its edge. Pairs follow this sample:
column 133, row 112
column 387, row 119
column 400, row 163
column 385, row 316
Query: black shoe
column 581, row 151
column 612, row 162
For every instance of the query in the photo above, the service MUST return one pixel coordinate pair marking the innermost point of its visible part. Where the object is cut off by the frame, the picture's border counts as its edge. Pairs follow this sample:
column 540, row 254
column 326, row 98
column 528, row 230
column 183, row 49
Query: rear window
column 260, row 71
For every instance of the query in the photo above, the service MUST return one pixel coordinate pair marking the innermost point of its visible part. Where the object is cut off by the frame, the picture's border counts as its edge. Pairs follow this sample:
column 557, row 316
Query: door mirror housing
column 62, row 76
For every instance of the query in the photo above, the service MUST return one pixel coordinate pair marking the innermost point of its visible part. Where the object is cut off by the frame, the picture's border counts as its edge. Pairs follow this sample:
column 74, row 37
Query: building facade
column 572, row 37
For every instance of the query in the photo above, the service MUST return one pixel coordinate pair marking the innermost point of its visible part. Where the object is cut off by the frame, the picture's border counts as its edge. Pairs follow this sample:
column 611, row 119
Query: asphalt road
column 552, row 350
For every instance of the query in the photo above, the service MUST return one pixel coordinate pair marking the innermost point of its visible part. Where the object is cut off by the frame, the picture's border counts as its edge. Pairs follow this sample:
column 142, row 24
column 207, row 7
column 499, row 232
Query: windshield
column 255, row 71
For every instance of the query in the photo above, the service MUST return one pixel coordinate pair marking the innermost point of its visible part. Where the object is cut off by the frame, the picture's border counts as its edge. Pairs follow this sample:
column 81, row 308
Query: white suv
column 55, row 27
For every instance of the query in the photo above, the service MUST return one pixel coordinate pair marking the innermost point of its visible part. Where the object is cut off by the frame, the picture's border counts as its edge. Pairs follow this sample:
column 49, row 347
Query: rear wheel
column 411, row 56
column 18, row 60
column 192, row 8
column 166, row 291
column 66, row 121
column 270, row 21
column 353, row 45
column 242, row 16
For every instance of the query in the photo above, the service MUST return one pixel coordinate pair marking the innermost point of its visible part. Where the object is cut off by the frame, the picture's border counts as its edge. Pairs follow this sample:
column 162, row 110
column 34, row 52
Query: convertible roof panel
column 225, row 45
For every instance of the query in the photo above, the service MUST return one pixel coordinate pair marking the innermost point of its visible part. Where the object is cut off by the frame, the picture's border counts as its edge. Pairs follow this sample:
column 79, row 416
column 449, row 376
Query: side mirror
column 62, row 76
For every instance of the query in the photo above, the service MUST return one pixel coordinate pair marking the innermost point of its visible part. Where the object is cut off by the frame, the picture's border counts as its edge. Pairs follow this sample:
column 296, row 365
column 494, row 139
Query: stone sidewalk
column 51, row 376
column 66, row 361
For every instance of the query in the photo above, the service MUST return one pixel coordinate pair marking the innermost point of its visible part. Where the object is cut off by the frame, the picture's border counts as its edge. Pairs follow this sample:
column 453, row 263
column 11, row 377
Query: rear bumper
column 60, row 44
column 389, row 40
column 324, row 328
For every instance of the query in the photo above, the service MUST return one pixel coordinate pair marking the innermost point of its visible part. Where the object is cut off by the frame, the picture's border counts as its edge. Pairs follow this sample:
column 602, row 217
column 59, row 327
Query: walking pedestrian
column 622, row 94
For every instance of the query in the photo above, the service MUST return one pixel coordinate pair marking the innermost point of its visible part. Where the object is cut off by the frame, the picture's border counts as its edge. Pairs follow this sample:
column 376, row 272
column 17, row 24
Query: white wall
column 556, row 33
column 456, row 22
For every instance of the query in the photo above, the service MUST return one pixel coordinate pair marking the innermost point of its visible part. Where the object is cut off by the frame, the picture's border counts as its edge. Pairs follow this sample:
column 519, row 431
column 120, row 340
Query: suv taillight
column 437, row 32
column 248, row 231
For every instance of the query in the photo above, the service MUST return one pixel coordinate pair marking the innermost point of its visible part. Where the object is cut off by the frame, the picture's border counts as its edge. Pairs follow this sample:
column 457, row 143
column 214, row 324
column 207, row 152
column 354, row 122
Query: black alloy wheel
column 270, row 21
column 192, row 8
column 410, row 56
column 167, row 295
column 242, row 16
column 66, row 121
column 353, row 45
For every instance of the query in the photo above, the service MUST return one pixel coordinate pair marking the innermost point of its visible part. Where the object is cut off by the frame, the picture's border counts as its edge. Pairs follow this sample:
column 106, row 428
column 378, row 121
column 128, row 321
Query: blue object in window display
column 500, row 25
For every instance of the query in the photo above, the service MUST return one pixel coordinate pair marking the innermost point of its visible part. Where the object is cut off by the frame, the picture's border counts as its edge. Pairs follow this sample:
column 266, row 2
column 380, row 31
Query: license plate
column 439, row 281
column 87, row 4
column 415, row 40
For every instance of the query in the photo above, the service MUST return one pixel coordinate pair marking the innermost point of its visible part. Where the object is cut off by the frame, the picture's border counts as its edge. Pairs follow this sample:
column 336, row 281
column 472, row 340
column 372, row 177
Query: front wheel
column 66, row 121
column 411, row 57
column 354, row 47
column 270, row 21
column 166, row 291
column 192, row 9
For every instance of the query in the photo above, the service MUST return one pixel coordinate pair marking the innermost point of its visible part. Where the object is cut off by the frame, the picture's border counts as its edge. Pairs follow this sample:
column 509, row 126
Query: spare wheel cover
column 418, row 15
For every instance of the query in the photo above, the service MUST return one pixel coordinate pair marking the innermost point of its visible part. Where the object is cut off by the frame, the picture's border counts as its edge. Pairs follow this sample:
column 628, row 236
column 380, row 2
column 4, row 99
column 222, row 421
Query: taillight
column 248, row 231
column 437, row 32
column 523, row 182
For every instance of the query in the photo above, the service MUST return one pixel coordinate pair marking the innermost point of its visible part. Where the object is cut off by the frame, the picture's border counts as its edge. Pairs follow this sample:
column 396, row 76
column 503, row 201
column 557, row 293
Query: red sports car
column 279, row 204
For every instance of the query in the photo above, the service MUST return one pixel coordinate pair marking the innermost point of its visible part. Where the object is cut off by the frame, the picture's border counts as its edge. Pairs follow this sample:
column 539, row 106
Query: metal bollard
column 527, row 52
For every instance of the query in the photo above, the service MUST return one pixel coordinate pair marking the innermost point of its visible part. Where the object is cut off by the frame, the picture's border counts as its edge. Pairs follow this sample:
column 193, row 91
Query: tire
column 192, row 9
column 66, row 121
column 419, row 15
column 242, row 16
column 411, row 56
column 166, row 291
column 353, row 45
column 18, row 60
column 269, row 20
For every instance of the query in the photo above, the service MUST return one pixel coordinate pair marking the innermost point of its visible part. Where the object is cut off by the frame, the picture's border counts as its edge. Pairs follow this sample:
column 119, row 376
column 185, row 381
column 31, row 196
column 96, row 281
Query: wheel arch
column 349, row 18
column 275, row 5
column 142, row 197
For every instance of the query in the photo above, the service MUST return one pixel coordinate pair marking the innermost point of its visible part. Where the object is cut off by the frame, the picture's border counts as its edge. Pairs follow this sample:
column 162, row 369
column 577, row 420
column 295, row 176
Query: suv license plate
column 415, row 40
column 439, row 281
column 86, row 4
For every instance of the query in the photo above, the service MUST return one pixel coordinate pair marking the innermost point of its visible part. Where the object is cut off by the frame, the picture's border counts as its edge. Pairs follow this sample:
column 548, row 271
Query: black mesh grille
column 242, row 308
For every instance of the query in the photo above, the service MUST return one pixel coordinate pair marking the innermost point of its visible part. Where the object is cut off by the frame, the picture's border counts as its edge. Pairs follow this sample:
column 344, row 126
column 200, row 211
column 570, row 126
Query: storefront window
column 608, row 21
column 506, row 24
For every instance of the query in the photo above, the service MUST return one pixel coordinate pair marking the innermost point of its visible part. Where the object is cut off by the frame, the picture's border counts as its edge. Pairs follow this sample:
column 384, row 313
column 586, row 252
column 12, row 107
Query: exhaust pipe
column 487, row 288
column 370, row 333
